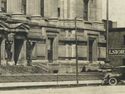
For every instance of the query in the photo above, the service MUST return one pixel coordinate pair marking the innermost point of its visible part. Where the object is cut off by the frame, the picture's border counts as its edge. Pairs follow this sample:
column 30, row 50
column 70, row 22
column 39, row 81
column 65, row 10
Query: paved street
column 75, row 90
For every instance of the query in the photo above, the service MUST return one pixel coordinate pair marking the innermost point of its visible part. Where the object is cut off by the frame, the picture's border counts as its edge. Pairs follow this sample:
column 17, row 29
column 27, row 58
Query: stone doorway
column 92, row 49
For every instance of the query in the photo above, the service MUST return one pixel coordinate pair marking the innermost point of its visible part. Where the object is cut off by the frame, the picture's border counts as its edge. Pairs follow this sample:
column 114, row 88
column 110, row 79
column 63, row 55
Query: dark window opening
column 58, row 12
column 86, row 9
column 102, row 44
column 23, row 6
column 50, row 49
column 42, row 8
column 91, row 50
column 4, row 5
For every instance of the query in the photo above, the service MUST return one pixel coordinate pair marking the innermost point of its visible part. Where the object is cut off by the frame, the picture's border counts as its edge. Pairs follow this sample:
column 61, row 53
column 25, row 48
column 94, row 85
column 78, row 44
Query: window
column 50, row 49
column 91, row 41
column 23, row 6
column 86, row 9
column 42, row 8
column 58, row 12
column 4, row 5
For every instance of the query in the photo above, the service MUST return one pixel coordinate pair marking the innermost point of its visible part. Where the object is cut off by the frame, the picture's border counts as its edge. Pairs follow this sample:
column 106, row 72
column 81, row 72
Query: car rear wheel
column 113, row 81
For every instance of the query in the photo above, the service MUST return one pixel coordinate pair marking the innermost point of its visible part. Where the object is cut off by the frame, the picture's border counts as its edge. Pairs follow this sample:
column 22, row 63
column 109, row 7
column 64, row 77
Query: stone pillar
column 67, row 50
column 33, row 7
column 68, row 9
column 55, row 48
column 61, row 9
column 65, row 9
column 73, row 50
column 3, row 53
column 0, row 5
column 11, row 51
column 29, row 52
column 51, row 8
column 14, row 6
column 91, row 10
column 99, row 10
column 44, row 32
column 95, row 50
column 73, row 45
column 67, row 46
column 34, row 52
column 45, row 36
column 72, row 9
column 73, row 34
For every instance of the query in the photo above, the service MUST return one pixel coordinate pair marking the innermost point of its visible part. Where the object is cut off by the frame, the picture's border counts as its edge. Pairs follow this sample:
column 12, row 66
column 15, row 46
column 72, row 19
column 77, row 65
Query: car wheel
column 113, row 81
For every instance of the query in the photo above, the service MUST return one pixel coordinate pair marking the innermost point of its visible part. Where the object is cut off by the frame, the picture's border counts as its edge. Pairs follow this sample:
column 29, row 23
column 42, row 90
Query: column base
column 3, row 62
column 11, row 63
column 22, row 62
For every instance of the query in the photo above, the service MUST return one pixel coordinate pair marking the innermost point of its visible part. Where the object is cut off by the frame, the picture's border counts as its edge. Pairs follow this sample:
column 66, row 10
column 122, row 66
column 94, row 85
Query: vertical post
column 107, row 28
column 0, row 51
column 76, row 49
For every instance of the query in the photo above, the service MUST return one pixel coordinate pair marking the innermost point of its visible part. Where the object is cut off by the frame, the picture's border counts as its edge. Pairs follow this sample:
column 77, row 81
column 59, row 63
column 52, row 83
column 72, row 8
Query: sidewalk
column 46, row 84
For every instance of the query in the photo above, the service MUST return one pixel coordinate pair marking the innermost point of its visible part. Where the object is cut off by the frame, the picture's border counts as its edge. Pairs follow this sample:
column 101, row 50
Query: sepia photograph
column 62, row 46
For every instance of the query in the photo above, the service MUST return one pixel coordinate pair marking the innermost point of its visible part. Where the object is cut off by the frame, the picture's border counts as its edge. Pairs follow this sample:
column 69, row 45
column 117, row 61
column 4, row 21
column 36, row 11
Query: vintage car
column 98, row 67
column 92, row 67
column 115, row 76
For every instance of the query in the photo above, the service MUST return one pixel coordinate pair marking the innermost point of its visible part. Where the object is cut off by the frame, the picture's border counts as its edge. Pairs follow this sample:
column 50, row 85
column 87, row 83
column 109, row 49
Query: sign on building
column 118, row 52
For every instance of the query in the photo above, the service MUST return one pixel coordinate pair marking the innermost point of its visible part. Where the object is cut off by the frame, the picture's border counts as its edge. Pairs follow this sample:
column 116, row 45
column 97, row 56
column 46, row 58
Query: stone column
column 72, row 9
column 34, row 7
column 54, row 7
column 11, row 51
column 45, row 36
column 43, row 30
column 67, row 50
column 92, row 10
column 61, row 9
column 3, row 53
column 99, row 10
column 68, row 9
column 73, row 50
column 65, row 9
column 14, row 6
column 55, row 48
column 0, row 5
column 95, row 50
column 67, row 46
column 73, row 45
column 29, row 50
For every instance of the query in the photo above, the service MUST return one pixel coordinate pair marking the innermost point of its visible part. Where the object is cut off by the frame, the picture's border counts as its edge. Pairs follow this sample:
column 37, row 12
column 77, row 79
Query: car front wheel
column 113, row 81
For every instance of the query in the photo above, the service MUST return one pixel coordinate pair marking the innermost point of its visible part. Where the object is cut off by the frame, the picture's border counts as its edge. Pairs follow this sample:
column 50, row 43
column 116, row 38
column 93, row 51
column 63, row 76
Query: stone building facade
column 43, row 31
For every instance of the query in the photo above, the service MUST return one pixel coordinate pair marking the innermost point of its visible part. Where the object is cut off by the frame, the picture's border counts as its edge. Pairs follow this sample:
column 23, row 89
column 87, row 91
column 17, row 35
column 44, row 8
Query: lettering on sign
column 116, row 51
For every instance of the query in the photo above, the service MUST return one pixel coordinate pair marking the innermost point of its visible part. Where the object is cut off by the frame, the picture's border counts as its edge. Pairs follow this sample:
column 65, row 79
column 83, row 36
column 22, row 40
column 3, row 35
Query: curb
column 28, row 85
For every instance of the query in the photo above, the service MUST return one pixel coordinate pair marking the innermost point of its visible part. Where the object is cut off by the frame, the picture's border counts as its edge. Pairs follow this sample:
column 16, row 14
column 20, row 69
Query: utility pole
column 76, row 50
column 107, row 30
